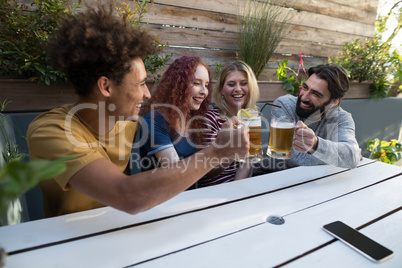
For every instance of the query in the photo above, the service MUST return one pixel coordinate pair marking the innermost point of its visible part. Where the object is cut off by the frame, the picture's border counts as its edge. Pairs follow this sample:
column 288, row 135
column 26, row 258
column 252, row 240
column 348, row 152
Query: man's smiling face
column 314, row 96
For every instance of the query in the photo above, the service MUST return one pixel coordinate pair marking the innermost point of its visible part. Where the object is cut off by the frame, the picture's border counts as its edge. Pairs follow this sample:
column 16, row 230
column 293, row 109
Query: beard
column 305, row 113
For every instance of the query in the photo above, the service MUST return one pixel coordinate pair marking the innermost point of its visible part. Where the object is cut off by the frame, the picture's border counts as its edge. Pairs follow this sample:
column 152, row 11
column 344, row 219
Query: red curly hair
column 174, row 88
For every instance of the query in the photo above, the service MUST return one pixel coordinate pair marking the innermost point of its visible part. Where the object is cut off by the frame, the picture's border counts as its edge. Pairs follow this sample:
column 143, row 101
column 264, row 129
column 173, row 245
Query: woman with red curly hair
column 173, row 124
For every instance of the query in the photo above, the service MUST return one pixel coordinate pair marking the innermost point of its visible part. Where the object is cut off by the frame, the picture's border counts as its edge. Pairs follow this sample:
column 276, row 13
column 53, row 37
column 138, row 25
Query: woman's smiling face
column 199, row 88
column 235, row 91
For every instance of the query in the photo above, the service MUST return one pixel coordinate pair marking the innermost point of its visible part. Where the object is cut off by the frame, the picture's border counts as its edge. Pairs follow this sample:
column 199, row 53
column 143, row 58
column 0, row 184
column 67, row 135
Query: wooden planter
column 26, row 96
column 269, row 91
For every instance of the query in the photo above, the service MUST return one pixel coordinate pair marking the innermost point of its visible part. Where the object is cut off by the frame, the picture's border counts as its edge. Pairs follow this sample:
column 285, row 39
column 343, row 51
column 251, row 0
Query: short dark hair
column 336, row 77
column 98, row 43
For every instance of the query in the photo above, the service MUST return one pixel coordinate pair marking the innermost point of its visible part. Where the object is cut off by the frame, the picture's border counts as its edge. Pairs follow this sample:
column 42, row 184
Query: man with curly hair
column 101, row 55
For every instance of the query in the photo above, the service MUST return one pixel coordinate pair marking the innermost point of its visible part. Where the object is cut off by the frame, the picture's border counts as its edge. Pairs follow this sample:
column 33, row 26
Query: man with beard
column 325, row 133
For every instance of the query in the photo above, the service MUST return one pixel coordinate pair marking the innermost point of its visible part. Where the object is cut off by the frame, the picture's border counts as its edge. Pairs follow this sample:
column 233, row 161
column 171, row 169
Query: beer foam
column 252, row 122
column 283, row 125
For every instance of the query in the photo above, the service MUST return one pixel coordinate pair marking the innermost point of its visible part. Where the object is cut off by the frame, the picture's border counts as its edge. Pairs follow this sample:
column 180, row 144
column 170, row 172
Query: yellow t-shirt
column 60, row 132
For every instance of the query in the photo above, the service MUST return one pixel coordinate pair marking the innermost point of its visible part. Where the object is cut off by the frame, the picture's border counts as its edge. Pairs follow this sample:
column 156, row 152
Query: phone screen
column 358, row 241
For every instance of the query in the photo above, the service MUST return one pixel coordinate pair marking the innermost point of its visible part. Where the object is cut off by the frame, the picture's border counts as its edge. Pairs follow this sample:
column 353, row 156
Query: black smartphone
column 358, row 241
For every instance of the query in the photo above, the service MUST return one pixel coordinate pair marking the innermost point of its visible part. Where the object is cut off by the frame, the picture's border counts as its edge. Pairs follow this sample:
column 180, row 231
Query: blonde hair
column 220, row 103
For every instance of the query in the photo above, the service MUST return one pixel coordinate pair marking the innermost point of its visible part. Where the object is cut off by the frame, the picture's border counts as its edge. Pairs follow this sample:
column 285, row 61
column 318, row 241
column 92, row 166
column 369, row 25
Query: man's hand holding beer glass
column 305, row 139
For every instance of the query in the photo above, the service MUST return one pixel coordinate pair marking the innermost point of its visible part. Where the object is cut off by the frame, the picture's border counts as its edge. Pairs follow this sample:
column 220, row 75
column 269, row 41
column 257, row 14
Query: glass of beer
column 281, row 138
column 252, row 119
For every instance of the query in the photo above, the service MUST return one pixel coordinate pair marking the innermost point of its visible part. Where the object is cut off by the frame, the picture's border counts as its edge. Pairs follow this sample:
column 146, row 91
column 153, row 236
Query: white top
column 225, row 225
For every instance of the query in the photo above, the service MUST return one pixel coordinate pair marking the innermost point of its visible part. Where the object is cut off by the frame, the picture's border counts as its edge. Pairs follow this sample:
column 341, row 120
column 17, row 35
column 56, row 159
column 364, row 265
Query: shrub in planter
column 372, row 59
column 369, row 60
column 262, row 26
column 24, row 31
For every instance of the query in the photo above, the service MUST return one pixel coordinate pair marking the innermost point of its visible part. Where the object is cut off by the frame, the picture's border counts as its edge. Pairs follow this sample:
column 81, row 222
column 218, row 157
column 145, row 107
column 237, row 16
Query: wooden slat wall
column 208, row 29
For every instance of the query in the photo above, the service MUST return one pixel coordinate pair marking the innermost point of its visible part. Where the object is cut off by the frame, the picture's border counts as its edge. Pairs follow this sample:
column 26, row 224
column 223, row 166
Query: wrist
column 315, row 146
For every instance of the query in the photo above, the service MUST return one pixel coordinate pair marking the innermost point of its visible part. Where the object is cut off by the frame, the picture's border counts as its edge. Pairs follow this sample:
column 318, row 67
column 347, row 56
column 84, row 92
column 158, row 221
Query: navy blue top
column 155, row 136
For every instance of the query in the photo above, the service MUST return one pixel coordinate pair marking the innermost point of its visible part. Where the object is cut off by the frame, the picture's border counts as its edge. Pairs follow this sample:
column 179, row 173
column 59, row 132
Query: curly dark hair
column 173, row 89
column 97, row 43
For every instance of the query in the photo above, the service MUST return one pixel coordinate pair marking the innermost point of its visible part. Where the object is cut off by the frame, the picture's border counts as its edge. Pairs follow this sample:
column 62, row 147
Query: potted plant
column 373, row 61
column 293, row 80
column 24, row 31
column 262, row 26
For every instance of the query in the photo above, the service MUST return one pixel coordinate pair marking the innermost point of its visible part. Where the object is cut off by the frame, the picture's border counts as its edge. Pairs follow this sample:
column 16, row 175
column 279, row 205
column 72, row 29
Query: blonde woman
column 235, row 89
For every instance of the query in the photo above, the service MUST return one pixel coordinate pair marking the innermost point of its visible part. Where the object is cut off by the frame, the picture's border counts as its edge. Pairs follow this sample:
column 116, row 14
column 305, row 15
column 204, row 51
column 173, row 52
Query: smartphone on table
column 361, row 243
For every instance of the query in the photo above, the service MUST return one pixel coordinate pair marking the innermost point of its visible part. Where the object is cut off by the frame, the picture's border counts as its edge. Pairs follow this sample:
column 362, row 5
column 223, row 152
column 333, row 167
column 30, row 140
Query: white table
column 225, row 225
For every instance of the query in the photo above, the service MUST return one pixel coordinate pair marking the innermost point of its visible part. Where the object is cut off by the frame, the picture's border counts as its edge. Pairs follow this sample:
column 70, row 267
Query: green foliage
column 295, row 80
column 24, row 32
column 262, row 26
column 11, row 151
column 388, row 152
column 17, row 177
column 153, row 63
column 290, row 83
column 372, row 59
column 134, row 17
column 218, row 69
column 380, row 88
column 365, row 61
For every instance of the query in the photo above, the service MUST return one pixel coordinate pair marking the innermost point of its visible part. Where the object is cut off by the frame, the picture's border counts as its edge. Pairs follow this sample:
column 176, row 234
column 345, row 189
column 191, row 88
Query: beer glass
column 252, row 119
column 281, row 138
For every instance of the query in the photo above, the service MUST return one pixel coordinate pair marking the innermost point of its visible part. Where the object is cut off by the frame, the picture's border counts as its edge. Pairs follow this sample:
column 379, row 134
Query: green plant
column 380, row 88
column 24, row 32
column 17, row 177
column 388, row 152
column 218, row 68
column 153, row 63
column 295, row 80
column 372, row 59
column 11, row 151
column 262, row 26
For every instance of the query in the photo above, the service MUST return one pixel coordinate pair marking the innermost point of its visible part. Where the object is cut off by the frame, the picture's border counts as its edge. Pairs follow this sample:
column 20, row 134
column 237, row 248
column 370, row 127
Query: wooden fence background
column 208, row 28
